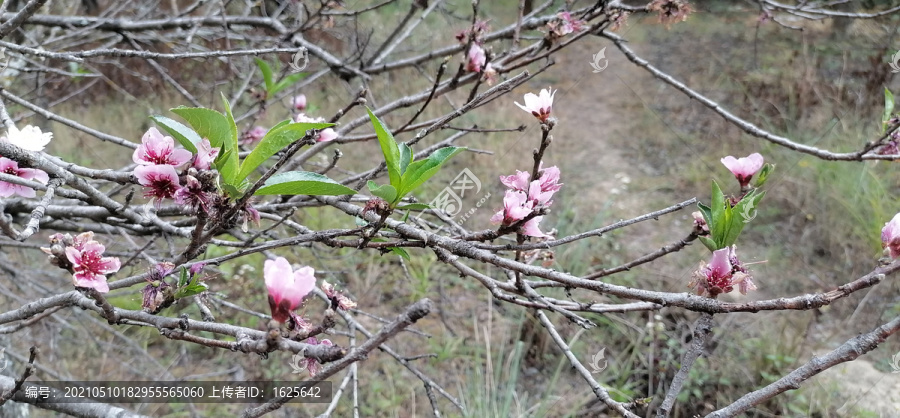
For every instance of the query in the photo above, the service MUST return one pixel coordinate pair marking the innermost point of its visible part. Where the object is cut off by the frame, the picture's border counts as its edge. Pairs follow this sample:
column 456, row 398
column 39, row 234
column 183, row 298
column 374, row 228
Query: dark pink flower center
column 159, row 158
column 161, row 187
column 91, row 261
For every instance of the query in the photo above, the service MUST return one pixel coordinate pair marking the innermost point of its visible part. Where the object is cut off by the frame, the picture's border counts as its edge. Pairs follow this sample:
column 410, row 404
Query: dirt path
column 862, row 388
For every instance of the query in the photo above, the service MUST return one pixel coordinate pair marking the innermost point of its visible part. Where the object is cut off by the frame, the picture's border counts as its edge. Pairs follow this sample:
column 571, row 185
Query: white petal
column 30, row 138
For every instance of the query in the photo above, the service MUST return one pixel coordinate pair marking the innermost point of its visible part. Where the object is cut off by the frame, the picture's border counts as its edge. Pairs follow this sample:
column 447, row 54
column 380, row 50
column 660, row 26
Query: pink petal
column 518, row 181
column 34, row 174
column 92, row 280
column 179, row 156
column 498, row 217
column 109, row 265
column 303, row 281
column 720, row 263
column 278, row 275
column 148, row 174
column 7, row 189
column 476, row 58
column 890, row 236
column 530, row 228
column 327, row 135
column 744, row 167
column 74, row 256
column 550, row 179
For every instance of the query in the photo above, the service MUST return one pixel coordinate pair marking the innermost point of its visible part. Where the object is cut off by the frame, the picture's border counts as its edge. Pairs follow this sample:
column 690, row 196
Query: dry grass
column 626, row 145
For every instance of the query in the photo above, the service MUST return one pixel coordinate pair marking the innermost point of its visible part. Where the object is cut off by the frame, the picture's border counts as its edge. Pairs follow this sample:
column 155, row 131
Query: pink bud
column 286, row 287
column 299, row 102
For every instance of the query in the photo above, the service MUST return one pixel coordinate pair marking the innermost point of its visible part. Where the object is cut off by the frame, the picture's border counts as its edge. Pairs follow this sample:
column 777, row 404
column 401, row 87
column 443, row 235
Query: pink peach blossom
column 311, row 364
column 539, row 106
column 91, row 267
column 160, row 181
column 11, row 167
column 722, row 273
column 515, row 208
column 193, row 195
column 714, row 278
column 490, row 74
column 337, row 298
column 518, row 181
column 890, row 236
column 530, row 228
column 539, row 191
column 564, row 24
column 475, row 58
column 156, row 149
column 744, row 168
column 538, row 195
column 550, row 179
column 700, row 222
column 286, row 287
column 253, row 135
column 206, row 154
column 740, row 274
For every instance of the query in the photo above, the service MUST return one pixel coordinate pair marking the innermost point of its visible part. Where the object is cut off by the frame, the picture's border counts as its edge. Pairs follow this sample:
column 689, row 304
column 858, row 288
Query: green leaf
column 764, row 175
column 422, row 170
column 184, row 135
column 386, row 192
column 415, row 206
column 275, row 140
column 303, row 183
column 282, row 123
column 229, row 170
column 744, row 212
column 710, row 244
column 235, row 191
column 406, row 157
column 193, row 288
column 400, row 251
column 207, row 123
column 267, row 75
column 888, row 108
column 285, row 83
column 221, row 159
column 705, row 211
column 717, row 214
column 183, row 278
column 389, row 149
